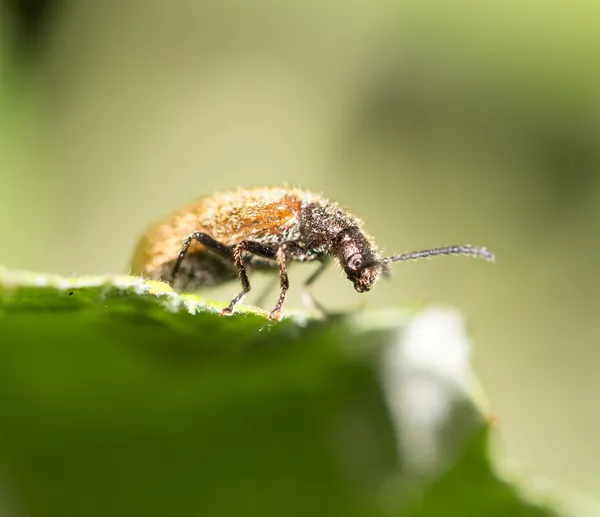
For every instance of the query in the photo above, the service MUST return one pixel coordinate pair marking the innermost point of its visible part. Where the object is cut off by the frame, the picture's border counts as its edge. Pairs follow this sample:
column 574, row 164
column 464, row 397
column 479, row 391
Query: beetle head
column 359, row 259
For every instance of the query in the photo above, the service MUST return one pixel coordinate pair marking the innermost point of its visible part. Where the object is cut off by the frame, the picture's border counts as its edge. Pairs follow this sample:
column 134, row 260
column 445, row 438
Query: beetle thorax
column 326, row 226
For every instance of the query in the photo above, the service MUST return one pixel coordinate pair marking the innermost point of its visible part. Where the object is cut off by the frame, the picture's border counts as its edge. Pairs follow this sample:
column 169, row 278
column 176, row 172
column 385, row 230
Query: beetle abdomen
column 202, row 269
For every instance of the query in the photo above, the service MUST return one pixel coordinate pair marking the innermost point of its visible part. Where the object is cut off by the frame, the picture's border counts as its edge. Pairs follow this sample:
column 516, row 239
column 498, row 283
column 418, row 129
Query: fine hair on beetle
column 221, row 237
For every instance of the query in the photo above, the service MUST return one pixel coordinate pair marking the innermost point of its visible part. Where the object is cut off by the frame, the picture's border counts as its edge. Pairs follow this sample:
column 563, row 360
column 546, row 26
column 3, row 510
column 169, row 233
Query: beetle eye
column 355, row 261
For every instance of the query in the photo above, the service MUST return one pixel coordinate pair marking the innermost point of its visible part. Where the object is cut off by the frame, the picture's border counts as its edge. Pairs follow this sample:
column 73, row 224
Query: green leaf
column 120, row 397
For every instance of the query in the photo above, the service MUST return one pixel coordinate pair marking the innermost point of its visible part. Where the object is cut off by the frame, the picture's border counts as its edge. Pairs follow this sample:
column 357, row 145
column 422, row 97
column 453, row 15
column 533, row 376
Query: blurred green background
column 437, row 123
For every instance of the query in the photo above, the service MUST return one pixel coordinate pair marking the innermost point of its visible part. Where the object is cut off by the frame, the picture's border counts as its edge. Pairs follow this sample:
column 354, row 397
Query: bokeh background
column 435, row 122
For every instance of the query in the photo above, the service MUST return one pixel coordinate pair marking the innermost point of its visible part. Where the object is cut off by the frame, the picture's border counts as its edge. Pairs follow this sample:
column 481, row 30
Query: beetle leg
column 292, row 249
column 256, row 248
column 205, row 240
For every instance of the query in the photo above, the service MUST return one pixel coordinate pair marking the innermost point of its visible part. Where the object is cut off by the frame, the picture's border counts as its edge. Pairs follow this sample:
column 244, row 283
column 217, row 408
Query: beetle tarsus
column 276, row 315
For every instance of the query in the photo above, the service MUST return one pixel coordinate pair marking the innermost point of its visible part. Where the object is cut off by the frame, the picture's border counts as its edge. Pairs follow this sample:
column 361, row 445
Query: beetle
column 220, row 237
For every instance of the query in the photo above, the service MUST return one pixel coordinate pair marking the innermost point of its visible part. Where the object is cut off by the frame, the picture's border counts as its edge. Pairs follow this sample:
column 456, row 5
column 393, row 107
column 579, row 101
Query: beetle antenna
column 474, row 251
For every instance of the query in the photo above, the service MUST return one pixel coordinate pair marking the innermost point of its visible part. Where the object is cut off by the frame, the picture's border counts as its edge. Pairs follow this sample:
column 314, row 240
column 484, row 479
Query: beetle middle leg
column 256, row 248
column 292, row 248
column 275, row 314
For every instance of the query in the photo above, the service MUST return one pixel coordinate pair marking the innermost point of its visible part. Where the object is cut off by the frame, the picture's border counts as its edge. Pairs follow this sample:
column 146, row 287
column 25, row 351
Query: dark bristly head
column 358, row 257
